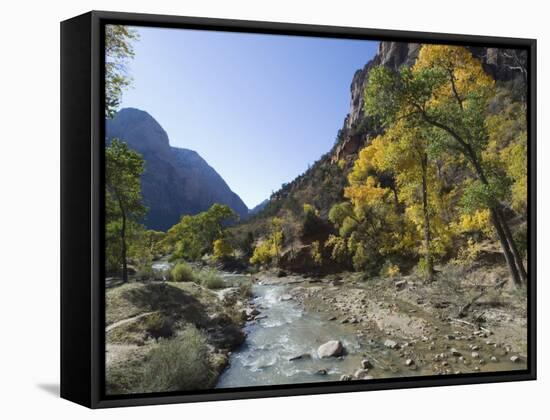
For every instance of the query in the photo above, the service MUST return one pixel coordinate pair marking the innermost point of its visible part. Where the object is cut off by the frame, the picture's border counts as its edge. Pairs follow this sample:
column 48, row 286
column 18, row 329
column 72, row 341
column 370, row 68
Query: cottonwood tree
column 123, row 169
column 448, row 90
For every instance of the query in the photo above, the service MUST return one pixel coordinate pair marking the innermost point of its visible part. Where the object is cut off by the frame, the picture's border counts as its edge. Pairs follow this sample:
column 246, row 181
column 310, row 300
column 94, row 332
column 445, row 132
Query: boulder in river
column 332, row 348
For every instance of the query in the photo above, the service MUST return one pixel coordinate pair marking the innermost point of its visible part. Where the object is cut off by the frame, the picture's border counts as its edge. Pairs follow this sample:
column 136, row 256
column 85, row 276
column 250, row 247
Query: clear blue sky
column 257, row 108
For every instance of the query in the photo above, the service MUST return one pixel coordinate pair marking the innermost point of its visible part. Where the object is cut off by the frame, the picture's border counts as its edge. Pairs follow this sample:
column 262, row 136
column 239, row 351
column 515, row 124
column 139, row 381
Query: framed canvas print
column 255, row 209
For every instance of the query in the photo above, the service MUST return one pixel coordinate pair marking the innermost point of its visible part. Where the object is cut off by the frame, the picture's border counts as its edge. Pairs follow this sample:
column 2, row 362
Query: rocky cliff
column 176, row 181
column 503, row 65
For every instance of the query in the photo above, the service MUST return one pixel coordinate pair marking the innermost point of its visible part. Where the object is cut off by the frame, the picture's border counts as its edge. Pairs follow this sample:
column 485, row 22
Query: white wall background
column 29, row 219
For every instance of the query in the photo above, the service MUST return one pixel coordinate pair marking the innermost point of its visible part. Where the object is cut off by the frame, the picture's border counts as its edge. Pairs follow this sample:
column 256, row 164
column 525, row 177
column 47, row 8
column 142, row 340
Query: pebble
column 455, row 352
column 494, row 359
column 475, row 355
column 515, row 359
column 391, row 344
column 346, row 378
column 409, row 362
column 366, row 364
column 321, row 372
column 361, row 373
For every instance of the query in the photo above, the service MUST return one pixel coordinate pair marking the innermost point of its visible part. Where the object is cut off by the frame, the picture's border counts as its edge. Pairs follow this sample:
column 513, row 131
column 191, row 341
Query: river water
column 284, row 331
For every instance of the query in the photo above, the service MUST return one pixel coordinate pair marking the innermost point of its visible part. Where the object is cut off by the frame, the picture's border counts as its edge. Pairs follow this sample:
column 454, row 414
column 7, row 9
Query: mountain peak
column 176, row 181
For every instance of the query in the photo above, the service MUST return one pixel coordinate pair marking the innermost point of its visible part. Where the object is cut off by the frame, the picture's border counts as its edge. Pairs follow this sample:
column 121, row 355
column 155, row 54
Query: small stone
column 366, row 364
column 391, row 344
column 332, row 318
column 475, row 348
column 455, row 352
column 321, row 372
column 344, row 321
column 400, row 285
column 494, row 359
column 361, row 373
column 409, row 362
column 475, row 355
column 450, row 337
column 346, row 378
column 300, row 357
column 515, row 359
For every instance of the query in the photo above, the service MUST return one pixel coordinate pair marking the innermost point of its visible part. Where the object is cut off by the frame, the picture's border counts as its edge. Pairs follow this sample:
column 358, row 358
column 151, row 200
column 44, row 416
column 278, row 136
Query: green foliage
column 179, row 364
column 118, row 51
column 437, row 122
column 194, row 235
column 222, row 249
column 211, row 280
column 316, row 254
column 183, row 272
column 123, row 201
column 270, row 248
column 311, row 221
column 158, row 326
column 389, row 269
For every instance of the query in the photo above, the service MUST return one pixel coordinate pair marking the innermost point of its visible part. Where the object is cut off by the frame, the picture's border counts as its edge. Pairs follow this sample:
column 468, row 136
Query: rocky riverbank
column 467, row 321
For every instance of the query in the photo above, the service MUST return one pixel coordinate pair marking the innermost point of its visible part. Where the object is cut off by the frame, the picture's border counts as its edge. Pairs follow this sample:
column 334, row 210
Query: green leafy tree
column 222, row 249
column 123, row 169
column 118, row 51
column 448, row 90
column 193, row 236
column 269, row 249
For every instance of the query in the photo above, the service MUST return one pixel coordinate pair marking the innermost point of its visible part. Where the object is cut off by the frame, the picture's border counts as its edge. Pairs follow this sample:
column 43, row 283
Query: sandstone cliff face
column 176, row 181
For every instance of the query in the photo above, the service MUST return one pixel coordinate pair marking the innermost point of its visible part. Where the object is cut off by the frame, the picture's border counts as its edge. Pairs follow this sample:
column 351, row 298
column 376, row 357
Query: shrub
column 211, row 280
column 245, row 289
column 470, row 252
column 183, row 272
column 311, row 221
column 316, row 253
column 145, row 273
column 158, row 326
column 389, row 269
column 179, row 364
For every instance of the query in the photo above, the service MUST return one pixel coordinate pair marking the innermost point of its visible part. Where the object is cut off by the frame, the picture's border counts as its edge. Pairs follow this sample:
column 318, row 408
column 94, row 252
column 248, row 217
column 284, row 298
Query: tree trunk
column 123, row 249
column 506, row 241
column 427, row 233
column 513, row 248
column 506, row 248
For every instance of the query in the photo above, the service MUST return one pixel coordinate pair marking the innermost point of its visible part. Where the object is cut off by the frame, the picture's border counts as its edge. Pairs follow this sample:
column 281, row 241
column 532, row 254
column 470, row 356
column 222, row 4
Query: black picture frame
column 82, row 219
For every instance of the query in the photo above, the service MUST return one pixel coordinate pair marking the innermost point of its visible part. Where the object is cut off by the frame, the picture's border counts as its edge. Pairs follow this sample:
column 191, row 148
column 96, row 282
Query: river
column 283, row 331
